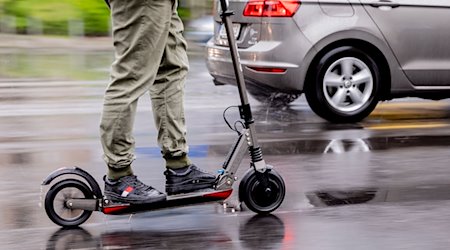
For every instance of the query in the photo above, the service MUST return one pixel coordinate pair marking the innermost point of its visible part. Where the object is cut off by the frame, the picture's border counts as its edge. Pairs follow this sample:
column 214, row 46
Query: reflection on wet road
column 138, row 235
column 379, row 194
column 379, row 184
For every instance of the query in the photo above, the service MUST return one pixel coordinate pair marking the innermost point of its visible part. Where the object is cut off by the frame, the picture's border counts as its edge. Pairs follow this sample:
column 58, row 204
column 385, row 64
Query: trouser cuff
column 115, row 173
column 177, row 162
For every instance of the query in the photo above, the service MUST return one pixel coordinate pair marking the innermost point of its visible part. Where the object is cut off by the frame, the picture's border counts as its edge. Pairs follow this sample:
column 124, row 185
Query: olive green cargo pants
column 150, row 58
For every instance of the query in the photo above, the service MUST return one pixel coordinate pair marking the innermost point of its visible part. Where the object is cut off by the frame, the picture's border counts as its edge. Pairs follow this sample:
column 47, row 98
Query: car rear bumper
column 262, row 55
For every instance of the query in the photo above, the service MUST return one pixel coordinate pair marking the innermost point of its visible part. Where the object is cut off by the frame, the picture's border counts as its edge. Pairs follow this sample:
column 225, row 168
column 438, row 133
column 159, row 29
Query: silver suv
column 345, row 55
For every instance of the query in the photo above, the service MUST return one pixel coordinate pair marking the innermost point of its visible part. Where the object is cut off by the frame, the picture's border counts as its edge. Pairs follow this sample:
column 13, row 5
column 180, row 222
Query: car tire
column 344, row 86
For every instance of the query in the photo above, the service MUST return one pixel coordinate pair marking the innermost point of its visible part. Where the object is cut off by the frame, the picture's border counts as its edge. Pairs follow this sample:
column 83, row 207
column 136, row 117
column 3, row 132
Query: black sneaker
column 129, row 189
column 188, row 179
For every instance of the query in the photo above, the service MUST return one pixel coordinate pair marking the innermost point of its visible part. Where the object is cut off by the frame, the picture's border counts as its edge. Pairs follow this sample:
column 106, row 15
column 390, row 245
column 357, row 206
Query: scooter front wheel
column 56, row 202
column 262, row 192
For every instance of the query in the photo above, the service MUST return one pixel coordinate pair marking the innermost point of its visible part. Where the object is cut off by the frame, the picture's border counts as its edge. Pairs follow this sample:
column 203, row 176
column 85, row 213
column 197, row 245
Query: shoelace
column 139, row 185
column 195, row 168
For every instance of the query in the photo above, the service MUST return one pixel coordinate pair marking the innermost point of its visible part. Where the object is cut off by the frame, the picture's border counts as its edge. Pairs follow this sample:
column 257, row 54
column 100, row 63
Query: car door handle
column 384, row 3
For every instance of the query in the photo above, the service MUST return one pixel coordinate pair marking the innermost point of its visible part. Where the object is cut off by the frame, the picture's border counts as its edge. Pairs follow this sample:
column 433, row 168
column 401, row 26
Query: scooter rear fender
column 75, row 171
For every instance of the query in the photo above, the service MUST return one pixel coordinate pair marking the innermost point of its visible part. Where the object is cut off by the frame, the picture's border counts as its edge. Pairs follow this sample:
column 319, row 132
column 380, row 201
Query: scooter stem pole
column 244, row 109
column 234, row 52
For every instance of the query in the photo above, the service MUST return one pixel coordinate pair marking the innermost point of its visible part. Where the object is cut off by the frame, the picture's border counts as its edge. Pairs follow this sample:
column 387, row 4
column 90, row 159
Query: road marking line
column 406, row 126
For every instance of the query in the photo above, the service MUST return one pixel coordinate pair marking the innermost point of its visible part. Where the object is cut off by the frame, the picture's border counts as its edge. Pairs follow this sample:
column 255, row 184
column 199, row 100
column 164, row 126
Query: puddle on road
column 337, row 146
column 324, row 198
column 246, row 234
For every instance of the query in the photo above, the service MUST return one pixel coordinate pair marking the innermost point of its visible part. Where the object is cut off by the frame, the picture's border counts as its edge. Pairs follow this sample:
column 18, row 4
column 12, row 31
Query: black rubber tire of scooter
column 50, row 197
column 251, row 191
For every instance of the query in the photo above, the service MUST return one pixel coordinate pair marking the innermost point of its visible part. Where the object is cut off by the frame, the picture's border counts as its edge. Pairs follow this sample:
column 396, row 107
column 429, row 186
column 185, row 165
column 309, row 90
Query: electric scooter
column 70, row 202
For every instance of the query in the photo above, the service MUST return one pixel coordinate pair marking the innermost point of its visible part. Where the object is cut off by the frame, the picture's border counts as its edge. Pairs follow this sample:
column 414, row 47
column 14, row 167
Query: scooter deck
column 172, row 201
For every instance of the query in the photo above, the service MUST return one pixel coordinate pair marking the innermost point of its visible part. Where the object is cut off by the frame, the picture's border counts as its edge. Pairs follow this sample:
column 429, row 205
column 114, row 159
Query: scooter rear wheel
column 56, row 198
column 262, row 192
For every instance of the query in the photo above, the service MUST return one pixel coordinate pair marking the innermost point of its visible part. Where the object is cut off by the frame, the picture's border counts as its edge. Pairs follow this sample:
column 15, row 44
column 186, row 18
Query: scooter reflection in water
column 253, row 234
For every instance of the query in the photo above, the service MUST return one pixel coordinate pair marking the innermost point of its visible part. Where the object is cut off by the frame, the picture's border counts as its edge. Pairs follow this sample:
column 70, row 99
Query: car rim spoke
column 363, row 76
column 333, row 80
column 356, row 95
column 347, row 67
column 339, row 96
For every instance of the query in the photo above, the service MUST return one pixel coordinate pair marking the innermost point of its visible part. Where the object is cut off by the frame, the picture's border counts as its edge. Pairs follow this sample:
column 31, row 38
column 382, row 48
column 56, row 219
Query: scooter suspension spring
column 256, row 154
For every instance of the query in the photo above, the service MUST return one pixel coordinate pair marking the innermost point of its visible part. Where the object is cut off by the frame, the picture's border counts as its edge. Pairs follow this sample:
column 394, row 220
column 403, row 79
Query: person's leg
column 140, row 30
column 167, row 94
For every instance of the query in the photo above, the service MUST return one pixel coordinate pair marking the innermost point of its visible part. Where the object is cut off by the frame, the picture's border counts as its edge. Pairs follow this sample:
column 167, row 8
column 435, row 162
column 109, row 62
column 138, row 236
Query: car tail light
column 271, row 8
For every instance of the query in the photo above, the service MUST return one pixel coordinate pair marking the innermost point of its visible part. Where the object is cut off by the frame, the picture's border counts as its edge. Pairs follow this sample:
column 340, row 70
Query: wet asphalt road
column 380, row 184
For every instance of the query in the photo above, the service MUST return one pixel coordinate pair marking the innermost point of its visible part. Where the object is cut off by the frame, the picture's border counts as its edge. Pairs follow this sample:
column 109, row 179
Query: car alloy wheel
column 343, row 85
column 348, row 84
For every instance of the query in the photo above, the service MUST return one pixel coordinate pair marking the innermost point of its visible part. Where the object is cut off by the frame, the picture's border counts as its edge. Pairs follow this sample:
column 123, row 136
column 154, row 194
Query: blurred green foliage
column 55, row 15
